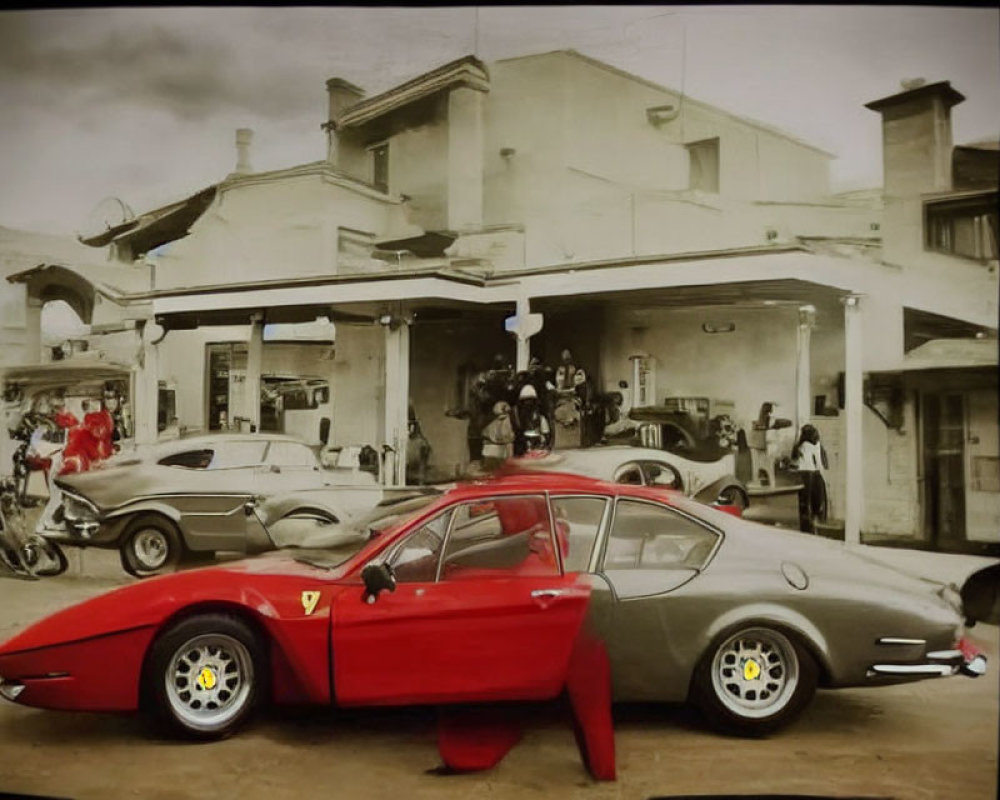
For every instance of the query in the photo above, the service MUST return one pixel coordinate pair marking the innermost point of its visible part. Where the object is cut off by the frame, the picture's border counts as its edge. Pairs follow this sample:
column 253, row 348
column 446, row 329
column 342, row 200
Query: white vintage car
column 711, row 482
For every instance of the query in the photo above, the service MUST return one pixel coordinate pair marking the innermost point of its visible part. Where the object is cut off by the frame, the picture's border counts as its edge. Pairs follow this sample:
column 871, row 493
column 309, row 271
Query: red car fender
column 69, row 640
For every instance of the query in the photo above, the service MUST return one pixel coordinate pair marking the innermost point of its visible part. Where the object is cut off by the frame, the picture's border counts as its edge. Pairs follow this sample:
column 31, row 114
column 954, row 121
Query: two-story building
column 667, row 243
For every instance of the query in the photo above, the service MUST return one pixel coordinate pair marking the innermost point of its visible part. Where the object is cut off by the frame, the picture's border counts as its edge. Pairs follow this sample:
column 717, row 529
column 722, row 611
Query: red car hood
column 253, row 583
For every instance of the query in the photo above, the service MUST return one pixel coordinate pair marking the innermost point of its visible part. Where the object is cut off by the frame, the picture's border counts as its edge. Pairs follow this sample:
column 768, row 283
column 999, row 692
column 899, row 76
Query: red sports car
column 484, row 593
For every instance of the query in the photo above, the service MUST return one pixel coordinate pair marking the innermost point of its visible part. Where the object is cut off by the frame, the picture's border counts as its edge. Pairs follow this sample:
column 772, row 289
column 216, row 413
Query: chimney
column 916, row 137
column 342, row 96
column 244, row 136
column 916, row 160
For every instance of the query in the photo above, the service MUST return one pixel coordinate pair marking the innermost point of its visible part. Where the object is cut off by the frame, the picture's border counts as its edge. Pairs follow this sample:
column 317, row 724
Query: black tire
column 47, row 559
column 733, row 496
column 151, row 546
column 206, row 675
column 754, row 680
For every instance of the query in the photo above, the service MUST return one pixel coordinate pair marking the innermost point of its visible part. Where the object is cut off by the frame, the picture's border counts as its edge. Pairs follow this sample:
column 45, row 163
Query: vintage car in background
column 482, row 593
column 197, row 496
column 707, row 481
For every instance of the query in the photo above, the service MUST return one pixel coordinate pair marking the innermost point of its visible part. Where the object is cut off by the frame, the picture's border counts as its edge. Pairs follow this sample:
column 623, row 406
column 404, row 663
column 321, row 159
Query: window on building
column 704, row 165
column 965, row 227
column 379, row 157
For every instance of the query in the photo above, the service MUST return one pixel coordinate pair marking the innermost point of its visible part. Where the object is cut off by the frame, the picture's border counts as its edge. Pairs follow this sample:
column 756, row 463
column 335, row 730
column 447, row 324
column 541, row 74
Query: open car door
column 481, row 611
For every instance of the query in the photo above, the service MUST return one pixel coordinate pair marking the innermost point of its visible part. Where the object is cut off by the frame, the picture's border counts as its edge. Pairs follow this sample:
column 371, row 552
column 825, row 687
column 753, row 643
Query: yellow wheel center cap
column 751, row 670
column 206, row 678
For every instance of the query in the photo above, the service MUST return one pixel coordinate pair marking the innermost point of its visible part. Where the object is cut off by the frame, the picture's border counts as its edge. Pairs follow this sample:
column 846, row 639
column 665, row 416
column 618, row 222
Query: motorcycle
column 24, row 553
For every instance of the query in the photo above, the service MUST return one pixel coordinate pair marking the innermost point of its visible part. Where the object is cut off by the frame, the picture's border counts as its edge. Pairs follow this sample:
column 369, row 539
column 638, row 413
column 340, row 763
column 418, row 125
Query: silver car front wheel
column 754, row 681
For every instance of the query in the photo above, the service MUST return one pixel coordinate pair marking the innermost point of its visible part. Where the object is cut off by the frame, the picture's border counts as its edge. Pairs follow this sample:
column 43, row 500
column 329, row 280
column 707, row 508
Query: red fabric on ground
column 476, row 739
column 589, row 689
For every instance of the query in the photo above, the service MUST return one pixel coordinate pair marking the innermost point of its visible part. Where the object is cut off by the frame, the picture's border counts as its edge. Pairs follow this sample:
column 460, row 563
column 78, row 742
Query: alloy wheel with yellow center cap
column 209, row 680
column 755, row 672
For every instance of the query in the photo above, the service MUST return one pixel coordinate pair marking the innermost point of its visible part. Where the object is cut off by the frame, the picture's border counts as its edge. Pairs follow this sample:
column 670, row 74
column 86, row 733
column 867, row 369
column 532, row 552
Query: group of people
column 50, row 424
column 540, row 408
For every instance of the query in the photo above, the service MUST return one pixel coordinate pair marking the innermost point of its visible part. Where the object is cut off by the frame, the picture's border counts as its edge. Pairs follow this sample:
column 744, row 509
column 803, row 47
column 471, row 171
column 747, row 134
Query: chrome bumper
column 939, row 664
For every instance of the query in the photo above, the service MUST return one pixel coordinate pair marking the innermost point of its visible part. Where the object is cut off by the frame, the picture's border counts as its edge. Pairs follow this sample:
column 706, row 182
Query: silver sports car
column 202, row 495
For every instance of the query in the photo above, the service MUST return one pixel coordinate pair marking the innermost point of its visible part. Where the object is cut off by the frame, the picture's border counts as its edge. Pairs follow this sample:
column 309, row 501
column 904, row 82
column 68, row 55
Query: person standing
column 498, row 437
column 809, row 458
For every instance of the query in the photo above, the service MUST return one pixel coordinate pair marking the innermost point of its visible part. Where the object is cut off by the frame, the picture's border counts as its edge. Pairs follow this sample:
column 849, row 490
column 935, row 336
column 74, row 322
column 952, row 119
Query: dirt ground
column 934, row 739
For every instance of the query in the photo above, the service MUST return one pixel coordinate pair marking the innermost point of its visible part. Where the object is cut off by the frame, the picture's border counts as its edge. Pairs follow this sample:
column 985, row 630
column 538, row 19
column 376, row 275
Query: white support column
column 32, row 353
column 465, row 159
column 523, row 355
column 853, row 403
column 803, row 370
column 255, row 356
column 146, row 385
column 397, row 399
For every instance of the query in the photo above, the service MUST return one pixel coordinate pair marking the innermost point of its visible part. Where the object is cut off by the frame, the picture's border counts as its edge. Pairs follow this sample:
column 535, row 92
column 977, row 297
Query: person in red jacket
column 102, row 426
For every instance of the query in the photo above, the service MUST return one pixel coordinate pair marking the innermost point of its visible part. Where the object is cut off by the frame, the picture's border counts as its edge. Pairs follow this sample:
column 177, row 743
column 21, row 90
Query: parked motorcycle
column 22, row 552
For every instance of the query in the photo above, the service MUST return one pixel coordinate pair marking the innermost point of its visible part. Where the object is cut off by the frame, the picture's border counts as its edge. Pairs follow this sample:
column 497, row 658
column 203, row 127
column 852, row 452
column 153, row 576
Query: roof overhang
column 154, row 228
column 952, row 354
column 756, row 277
column 467, row 72
column 61, row 375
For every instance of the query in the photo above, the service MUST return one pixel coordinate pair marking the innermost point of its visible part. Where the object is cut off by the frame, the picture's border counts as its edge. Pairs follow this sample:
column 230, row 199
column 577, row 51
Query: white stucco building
column 659, row 238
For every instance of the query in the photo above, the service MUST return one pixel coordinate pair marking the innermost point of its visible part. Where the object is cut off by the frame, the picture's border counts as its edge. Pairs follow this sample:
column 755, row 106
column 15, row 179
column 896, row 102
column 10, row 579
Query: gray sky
column 142, row 104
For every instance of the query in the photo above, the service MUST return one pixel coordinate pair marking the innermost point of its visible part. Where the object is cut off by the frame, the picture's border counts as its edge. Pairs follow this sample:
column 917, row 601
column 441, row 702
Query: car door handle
column 549, row 594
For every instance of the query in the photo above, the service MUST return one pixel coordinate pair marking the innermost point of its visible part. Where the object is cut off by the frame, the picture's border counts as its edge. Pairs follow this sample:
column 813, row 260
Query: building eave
column 468, row 72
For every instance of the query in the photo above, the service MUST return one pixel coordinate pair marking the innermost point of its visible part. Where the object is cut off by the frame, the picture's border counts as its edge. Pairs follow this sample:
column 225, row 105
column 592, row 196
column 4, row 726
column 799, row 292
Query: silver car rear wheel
column 754, row 680
column 150, row 546
column 755, row 672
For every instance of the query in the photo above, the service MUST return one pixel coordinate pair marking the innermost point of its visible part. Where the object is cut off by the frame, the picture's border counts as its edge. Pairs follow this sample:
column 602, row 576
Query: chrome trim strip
column 898, row 640
column 944, row 655
column 910, row 670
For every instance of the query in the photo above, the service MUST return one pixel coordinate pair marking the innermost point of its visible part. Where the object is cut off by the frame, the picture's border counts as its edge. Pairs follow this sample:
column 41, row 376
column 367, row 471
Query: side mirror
column 249, row 506
column 781, row 422
column 377, row 578
column 275, row 468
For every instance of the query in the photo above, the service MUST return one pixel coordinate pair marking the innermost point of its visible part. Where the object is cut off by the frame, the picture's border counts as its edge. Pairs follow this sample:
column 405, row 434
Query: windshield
column 330, row 545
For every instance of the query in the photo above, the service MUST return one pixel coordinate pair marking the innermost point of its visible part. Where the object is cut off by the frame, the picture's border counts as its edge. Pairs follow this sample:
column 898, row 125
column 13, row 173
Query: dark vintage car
column 200, row 496
column 482, row 593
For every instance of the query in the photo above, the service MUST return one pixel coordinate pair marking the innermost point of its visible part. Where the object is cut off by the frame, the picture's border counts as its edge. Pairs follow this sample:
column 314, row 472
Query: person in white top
column 809, row 458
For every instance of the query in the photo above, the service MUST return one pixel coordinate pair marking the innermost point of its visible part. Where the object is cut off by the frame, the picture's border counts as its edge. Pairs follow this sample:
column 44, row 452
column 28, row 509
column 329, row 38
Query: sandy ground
column 934, row 739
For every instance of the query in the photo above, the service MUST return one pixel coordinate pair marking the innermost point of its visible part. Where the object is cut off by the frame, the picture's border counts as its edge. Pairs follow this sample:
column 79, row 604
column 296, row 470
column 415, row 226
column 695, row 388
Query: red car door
column 481, row 611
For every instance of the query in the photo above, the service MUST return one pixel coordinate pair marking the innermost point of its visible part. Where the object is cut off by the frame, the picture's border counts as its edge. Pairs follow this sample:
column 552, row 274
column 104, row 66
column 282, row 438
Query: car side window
column 189, row 459
column 290, row 454
column 416, row 560
column 238, row 454
column 500, row 537
column 660, row 474
column 578, row 520
column 630, row 474
column 650, row 536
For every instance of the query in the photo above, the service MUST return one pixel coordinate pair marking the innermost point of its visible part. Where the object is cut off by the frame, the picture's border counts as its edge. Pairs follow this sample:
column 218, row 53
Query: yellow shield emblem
column 309, row 601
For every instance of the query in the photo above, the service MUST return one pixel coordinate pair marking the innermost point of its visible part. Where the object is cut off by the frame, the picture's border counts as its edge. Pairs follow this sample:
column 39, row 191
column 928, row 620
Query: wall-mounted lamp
column 657, row 115
column 507, row 152
column 718, row 327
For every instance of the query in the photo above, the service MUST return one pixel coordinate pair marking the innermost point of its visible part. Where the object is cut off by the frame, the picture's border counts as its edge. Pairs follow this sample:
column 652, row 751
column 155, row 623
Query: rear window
column 239, row 454
column 189, row 459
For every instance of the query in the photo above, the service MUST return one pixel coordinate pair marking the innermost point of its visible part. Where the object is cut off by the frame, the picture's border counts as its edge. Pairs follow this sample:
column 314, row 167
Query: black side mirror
column 781, row 422
column 377, row 578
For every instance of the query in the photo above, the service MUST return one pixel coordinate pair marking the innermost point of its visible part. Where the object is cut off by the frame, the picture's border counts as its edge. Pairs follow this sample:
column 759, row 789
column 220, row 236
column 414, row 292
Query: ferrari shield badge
column 206, row 679
column 751, row 670
column 309, row 601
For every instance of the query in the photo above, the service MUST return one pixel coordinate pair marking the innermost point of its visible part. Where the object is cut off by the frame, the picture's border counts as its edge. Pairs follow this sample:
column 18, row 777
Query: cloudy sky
column 142, row 104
